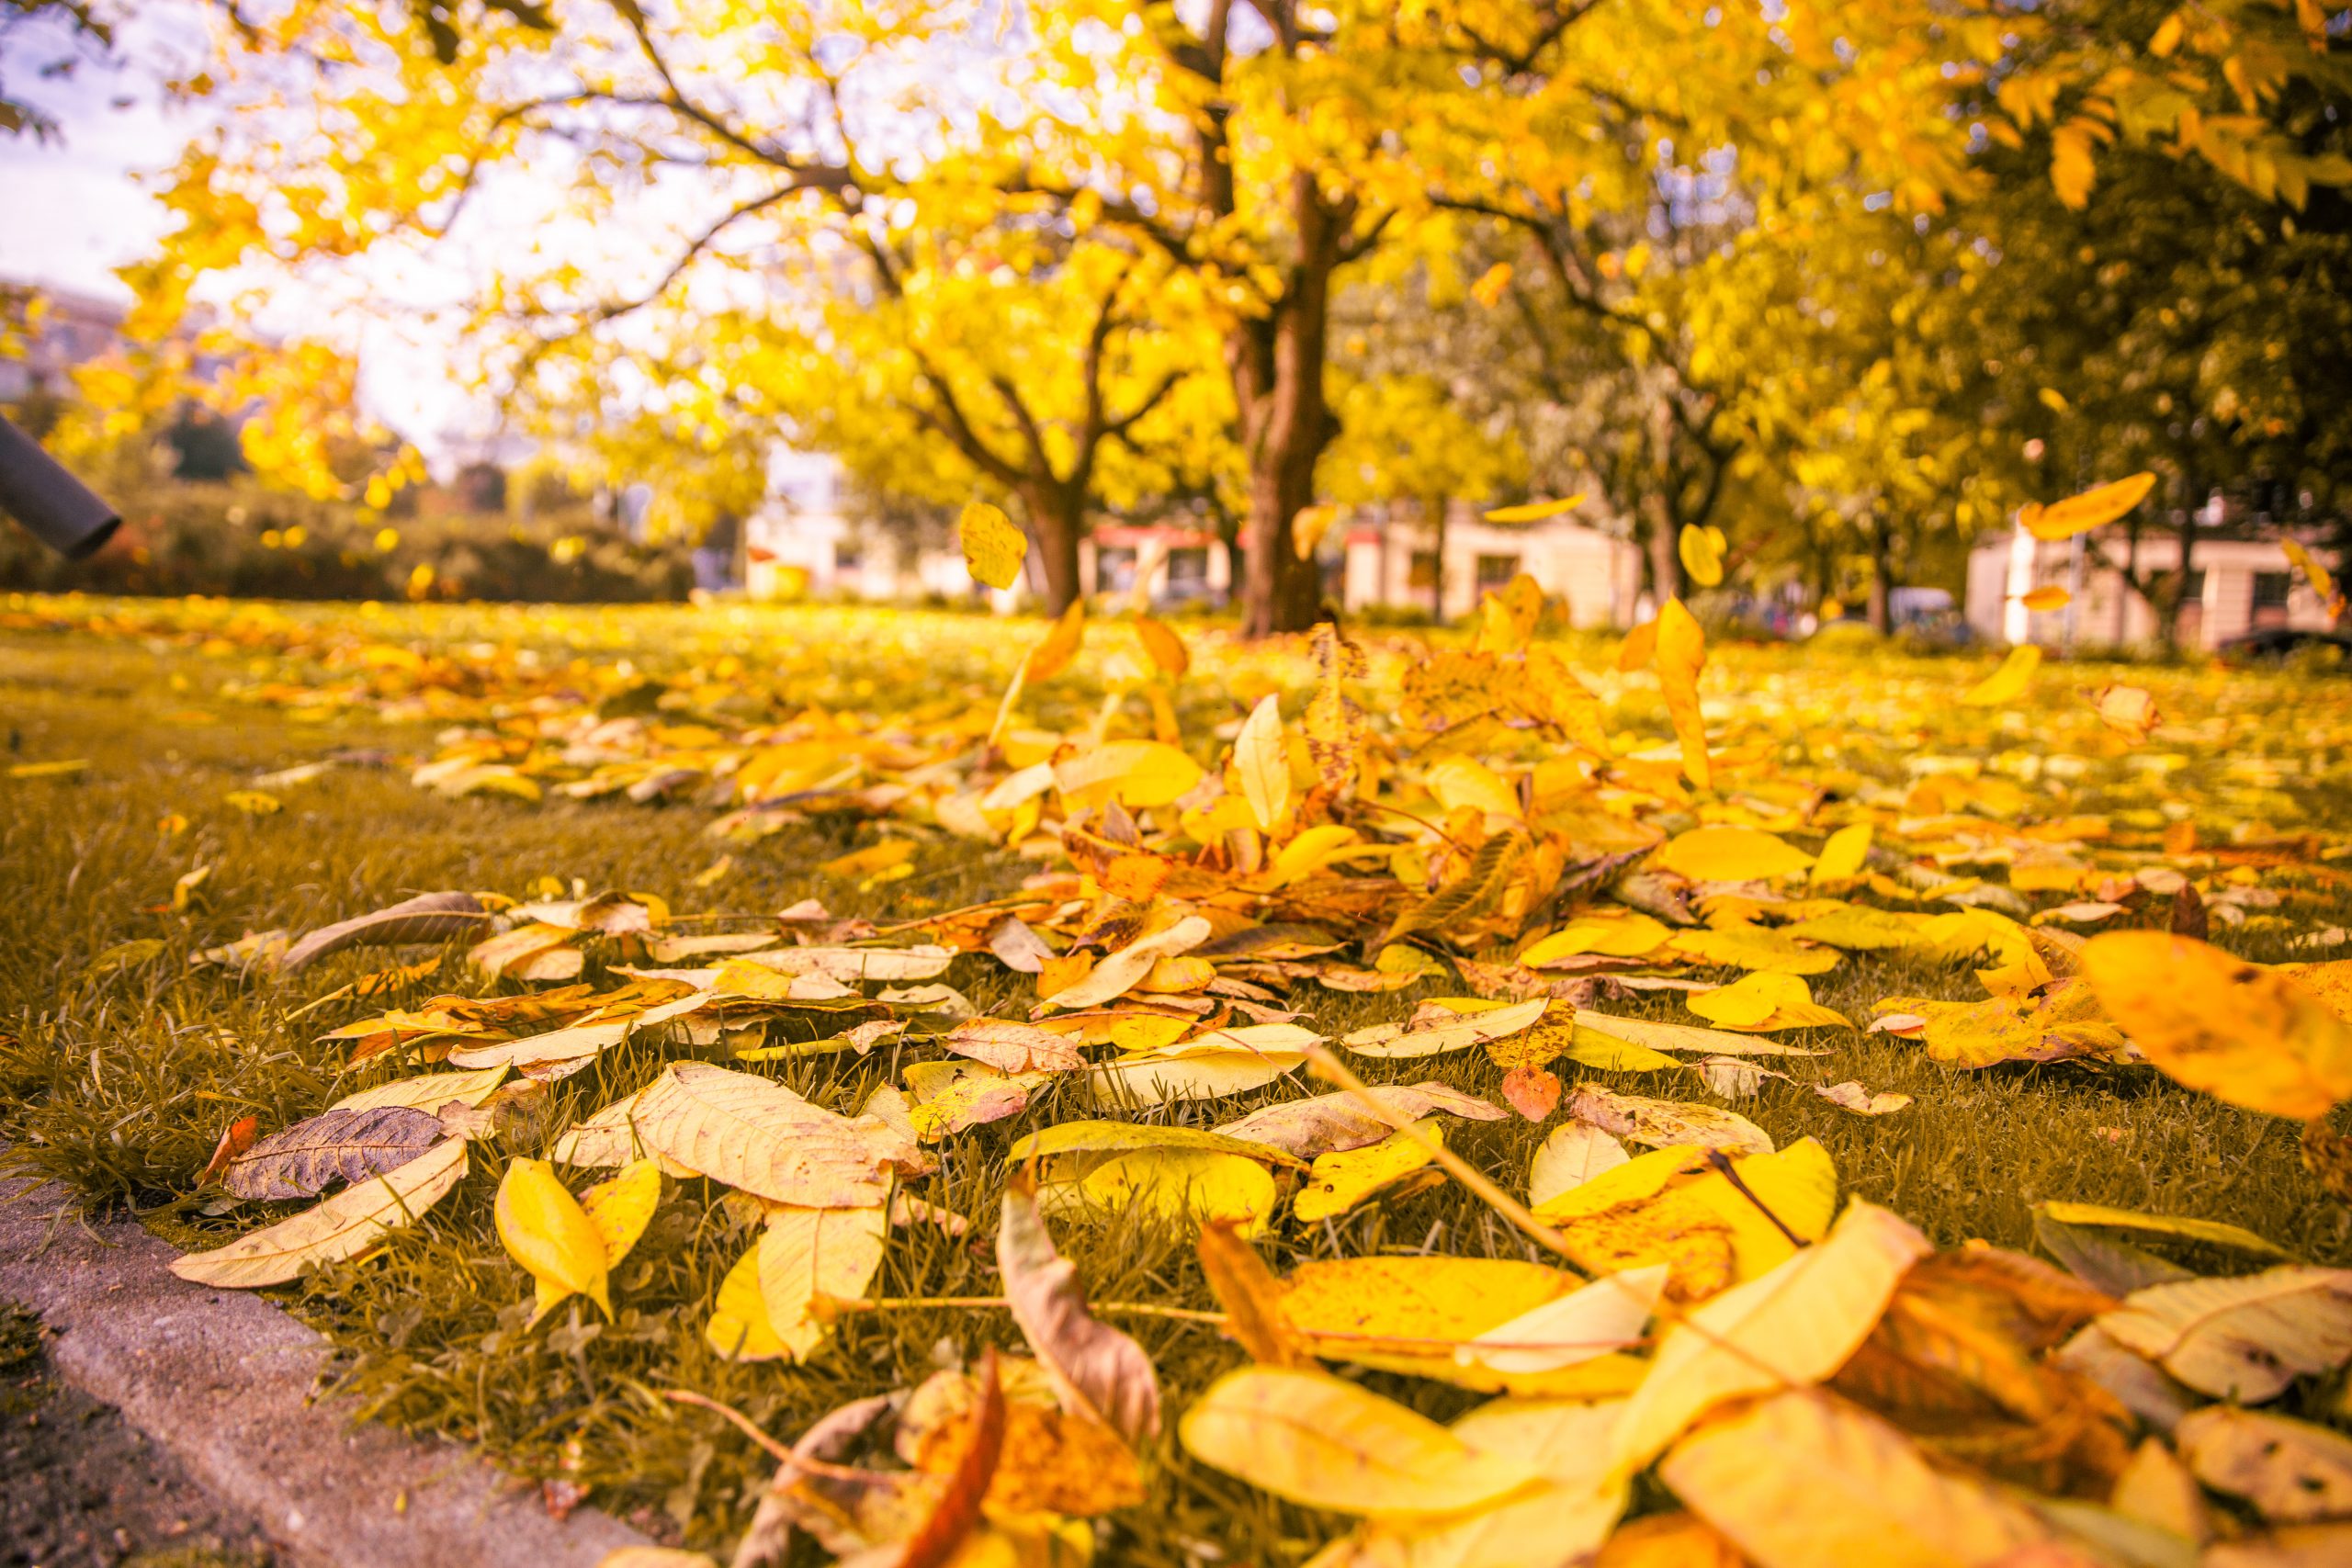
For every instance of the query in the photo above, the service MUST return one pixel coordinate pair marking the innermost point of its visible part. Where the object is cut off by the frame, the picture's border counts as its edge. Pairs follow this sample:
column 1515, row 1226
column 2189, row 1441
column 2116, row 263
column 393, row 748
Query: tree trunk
column 1434, row 509
column 1881, row 608
column 1277, row 363
column 2187, row 563
column 1665, row 560
column 1056, row 519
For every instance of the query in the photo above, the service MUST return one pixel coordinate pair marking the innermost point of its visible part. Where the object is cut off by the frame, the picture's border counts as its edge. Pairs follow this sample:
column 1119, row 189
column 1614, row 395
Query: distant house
column 2240, row 581
column 73, row 330
column 1391, row 559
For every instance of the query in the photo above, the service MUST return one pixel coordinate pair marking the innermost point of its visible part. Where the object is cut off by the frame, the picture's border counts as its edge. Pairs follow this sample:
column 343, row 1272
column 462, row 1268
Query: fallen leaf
column 1101, row 1372
column 1320, row 1440
column 808, row 1254
column 1664, row 1121
column 752, row 1132
column 429, row 916
column 1853, row 1097
column 1338, row 1182
column 2010, row 682
column 2243, row 1338
column 546, row 1231
column 341, row 1226
column 1263, row 763
column 1568, row 1158
column 1731, row 854
column 335, row 1145
column 2240, row 1032
column 2292, row 1472
column 1533, row 1091
column 1327, row 1123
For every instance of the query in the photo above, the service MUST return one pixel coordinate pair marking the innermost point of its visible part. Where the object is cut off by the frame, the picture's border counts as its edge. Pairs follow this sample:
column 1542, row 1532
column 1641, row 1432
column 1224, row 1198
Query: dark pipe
column 55, row 507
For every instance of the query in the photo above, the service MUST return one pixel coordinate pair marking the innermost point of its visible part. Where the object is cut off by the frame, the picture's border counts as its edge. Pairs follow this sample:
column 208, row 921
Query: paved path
column 222, row 1380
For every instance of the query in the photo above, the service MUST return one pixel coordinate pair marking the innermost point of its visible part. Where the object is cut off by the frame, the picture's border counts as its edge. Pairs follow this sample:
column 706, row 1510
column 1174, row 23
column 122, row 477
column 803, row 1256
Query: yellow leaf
column 1762, row 1001
column 70, row 767
column 1488, row 289
column 1185, row 1186
column 1208, row 1066
column 1307, row 529
column 993, row 547
column 806, row 1252
column 1507, row 618
column 2241, row 1033
column 1058, row 646
column 1639, row 647
column 343, row 1226
column 1682, row 652
column 2080, row 514
column 254, row 802
column 2129, row 710
column 1792, row 1326
column 1843, row 855
column 1164, row 646
column 2050, row 596
column 1340, row 1181
column 1702, row 550
column 1138, row 773
column 621, row 1207
column 2010, row 682
column 1320, row 1440
column 1535, row 511
column 738, row 1328
column 429, row 1092
column 1801, row 1481
column 1731, row 854
column 2244, row 1338
column 1569, row 1157
column 870, row 859
column 2214, row 1232
column 752, row 1132
column 1263, row 762
column 1445, row 1034
column 1631, row 935
column 546, row 1231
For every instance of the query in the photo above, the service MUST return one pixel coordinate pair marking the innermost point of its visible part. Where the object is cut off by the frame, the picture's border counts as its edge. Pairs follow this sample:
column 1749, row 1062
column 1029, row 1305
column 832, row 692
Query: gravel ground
column 80, row 1487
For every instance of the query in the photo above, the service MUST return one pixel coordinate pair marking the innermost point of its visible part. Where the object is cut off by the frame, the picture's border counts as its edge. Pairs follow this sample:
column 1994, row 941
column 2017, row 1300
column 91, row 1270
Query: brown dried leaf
column 303, row 1160
column 1099, row 1370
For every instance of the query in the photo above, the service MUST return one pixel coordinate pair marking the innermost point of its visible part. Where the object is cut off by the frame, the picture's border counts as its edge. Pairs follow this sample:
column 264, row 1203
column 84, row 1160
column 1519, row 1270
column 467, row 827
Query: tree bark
column 1882, row 609
column 2187, row 563
column 1056, row 522
column 1277, row 363
column 1664, row 560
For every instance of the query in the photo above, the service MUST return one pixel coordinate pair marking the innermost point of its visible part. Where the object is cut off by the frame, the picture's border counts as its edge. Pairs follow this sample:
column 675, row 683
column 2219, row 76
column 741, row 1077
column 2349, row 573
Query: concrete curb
column 222, row 1380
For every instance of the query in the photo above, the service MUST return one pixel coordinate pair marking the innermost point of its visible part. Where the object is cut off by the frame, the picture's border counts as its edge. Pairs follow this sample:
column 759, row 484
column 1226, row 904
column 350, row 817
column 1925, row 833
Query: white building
column 1391, row 561
column 2235, row 586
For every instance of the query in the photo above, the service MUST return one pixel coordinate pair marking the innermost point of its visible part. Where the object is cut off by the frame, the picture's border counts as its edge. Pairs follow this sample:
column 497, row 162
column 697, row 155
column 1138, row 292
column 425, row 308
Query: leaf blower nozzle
column 54, row 507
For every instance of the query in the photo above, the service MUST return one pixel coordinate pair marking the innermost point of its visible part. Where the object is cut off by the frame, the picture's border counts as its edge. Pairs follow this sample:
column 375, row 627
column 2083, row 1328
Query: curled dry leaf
column 235, row 1139
column 1100, row 1371
column 303, row 1160
column 341, row 1226
column 1660, row 1123
column 1251, row 1297
column 429, row 916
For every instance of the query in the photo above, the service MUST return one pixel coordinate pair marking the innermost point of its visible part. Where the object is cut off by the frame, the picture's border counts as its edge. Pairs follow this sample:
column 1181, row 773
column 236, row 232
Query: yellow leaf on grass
column 2080, row 514
column 1702, row 550
column 2009, row 682
column 622, row 1206
column 1263, row 762
column 1639, row 647
column 1507, row 619
column 430, row 1091
column 1801, row 1481
column 1843, row 856
column 806, row 1252
column 1208, row 1066
column 738, row 1328
column 993, row 547
column 254, row 802
column 1792, row 1326
column 1535, row 511
column 545, row 1230
column 2241, row 1033
column 1442, row 1035
column 2243, row 1338
column 1138, row 773
column 1320, row 1440
column 1682, row 652
column 1185, row 1186
column 1340, row 1181
column 752, row 1132
column 1631, row 935
column 1764, row 1000
column 1731, row 854
column 2212, row 1232
column 343, row 1226
column 1654, row 1036
column 1570, row 1156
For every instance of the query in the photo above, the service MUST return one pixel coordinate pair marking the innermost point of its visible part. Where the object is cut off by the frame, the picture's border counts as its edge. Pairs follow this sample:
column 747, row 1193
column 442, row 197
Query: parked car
column 2274, row 643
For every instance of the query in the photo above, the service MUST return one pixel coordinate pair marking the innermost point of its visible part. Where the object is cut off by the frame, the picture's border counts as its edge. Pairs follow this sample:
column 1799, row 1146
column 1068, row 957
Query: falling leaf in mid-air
column 1702, row 550
column 1535, row 511
column 2080, row 514
column 2009, row 682
column 2049, row 596
column 993, row 547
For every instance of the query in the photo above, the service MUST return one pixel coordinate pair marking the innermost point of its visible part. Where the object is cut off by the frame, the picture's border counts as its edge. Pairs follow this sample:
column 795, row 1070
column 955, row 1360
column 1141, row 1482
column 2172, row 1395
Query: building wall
column 1596, row 575
column 2105, row 611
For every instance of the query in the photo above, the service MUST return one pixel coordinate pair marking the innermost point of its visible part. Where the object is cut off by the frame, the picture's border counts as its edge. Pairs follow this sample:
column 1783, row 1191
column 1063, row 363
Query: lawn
column 196, row 820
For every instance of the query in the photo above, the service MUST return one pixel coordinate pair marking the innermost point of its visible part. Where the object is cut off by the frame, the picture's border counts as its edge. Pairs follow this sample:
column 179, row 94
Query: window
column 2270, row 589
column 1115, row 570
column 1188, row 567
column 1424, row 570
column 1495, row 570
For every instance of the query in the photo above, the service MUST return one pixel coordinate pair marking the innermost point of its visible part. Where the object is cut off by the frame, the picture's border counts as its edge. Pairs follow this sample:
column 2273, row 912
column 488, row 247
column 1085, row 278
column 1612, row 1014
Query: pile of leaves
column 1711, row 1352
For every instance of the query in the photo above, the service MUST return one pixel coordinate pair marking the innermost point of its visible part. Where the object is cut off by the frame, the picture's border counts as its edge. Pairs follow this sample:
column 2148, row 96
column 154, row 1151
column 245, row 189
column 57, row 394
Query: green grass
column 119, row 1083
